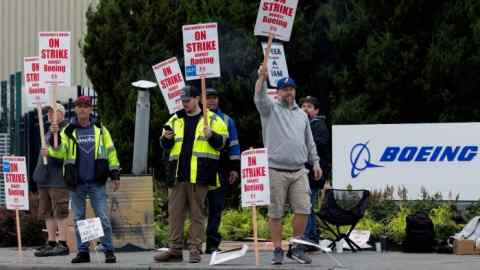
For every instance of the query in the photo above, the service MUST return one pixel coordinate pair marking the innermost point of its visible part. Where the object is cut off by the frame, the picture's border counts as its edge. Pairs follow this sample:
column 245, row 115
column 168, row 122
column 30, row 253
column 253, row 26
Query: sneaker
column 171, row 255
column 277, row 256
column 43, row 251
column 308, row 248
column 297, row 253
column 195, row 256
column 59, row 250
column 82, row 257
column 43, row 247
column 110, row 257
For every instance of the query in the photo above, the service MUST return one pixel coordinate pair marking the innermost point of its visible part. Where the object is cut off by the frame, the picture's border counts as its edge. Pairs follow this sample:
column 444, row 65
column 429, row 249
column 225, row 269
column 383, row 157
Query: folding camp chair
column 343, row 208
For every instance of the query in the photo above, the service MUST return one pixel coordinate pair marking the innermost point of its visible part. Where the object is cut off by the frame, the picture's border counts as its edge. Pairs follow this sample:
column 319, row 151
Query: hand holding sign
column 207, row 132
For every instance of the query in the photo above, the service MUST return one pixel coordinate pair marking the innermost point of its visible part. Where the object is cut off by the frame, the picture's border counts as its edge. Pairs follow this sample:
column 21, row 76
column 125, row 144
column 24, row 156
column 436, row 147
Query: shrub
column 31, row 228
column 161, row 234
column 368, row 223
column 395, row 227
column 442, row 218
column 237, row 225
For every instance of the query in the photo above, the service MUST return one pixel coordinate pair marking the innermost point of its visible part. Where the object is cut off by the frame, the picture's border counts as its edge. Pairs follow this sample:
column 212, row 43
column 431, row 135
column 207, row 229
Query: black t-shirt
column 187, row 147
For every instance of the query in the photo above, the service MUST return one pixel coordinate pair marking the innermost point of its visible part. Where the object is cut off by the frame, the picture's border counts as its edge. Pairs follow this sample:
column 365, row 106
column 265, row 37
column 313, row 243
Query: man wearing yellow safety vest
column 90, row 159
column 193, row 165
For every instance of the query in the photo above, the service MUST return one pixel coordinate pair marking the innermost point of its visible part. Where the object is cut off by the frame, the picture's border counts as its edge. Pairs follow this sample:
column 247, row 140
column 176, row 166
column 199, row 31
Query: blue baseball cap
column 286, row 82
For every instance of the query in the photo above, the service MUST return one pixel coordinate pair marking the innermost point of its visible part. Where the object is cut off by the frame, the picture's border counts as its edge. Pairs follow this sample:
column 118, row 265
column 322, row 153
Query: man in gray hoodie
column 289, row 142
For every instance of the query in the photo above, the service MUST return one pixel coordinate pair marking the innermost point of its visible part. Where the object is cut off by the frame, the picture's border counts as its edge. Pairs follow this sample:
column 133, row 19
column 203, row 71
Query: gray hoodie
column 286, row 134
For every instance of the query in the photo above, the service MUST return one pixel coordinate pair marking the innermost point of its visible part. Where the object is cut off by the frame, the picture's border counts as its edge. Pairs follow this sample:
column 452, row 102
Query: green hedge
column 384, row 217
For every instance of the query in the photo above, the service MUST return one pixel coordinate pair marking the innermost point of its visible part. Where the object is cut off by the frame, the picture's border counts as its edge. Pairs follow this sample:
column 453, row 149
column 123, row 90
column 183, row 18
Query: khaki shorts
column 291, row 187
column 53, row 202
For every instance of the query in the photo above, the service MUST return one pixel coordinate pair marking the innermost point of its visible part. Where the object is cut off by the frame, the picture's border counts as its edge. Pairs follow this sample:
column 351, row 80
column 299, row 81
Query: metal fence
column 4, row 151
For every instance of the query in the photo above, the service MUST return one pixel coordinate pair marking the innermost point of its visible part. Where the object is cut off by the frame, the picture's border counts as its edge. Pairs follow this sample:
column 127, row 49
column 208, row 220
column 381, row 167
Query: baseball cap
column 86, row 100
column 59, row 107
column 189, row 92
column 212, row 92
column 286, row 82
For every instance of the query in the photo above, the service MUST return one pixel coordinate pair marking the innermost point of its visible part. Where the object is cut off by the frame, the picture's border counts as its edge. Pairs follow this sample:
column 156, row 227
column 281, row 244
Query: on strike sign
column 277, row 65
column 255, row 177
column 54, row 53
column 200, row 46
column 37, row 93
column 16, row 183
column 170, row 79
column 276, row 17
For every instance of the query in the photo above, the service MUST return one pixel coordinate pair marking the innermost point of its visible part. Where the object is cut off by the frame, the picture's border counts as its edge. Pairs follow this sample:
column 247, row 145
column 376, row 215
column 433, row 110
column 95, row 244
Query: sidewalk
column 365, row 260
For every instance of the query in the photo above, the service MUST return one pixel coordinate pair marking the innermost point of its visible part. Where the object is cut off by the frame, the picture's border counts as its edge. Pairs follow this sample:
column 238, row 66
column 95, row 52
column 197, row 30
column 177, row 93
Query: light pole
column 142, row 124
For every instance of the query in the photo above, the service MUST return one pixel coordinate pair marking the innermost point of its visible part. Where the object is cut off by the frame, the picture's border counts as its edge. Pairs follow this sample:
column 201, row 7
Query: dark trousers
column 216, row 204
column 312, row 231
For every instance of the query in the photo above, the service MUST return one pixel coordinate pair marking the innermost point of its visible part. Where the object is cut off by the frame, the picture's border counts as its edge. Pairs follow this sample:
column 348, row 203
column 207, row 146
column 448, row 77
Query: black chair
column 343, row 208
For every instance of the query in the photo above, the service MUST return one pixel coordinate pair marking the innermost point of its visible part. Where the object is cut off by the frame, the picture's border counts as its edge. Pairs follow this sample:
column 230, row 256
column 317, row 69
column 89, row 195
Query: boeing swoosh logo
column 360, row 159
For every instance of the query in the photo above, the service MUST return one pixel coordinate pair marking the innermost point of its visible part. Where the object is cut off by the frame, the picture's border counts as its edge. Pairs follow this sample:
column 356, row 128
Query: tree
column 404, row 61
column 126, row 38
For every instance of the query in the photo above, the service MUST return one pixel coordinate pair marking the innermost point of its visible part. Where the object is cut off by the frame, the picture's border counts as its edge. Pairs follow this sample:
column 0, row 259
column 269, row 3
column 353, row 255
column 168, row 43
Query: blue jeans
column 311, row 231
column 98, row 199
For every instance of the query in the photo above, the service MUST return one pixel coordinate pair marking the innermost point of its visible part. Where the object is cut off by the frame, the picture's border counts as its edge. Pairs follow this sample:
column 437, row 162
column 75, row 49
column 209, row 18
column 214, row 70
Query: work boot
column 171, row 255
column 110, row 257
column 195, row 256
column 82, row 257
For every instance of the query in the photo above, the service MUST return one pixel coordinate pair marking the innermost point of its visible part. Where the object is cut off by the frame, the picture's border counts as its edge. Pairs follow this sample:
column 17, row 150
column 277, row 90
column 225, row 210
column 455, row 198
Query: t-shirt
column 86, row 154
column 187, row 147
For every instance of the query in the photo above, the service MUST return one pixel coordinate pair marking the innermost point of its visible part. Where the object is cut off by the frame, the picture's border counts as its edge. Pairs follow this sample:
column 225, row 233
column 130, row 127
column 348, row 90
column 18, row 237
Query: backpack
column 420, row 235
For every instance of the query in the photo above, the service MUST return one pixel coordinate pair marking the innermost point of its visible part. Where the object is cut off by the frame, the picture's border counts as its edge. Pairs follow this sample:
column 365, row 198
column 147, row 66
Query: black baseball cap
column 212, row 92
column 189, row 91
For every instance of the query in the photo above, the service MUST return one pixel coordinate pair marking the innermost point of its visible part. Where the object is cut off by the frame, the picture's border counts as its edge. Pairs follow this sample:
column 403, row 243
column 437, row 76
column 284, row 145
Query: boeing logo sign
column 361, row 156
column 441, row 158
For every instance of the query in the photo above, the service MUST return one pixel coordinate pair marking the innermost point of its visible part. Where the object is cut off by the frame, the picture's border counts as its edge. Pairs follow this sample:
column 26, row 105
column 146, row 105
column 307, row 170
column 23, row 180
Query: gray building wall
column 20, row 22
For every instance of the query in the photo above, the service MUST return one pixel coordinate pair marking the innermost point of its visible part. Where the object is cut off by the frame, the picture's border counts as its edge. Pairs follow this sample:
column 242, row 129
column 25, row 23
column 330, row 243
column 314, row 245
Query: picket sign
column 170, row 81
column 55, row 65
column 201, row 53
column 16, row 190
column 277, row 65
column 276, row 17
column 90, row 229
column 255, row 186
column 37, row 94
